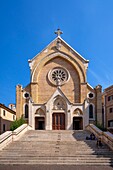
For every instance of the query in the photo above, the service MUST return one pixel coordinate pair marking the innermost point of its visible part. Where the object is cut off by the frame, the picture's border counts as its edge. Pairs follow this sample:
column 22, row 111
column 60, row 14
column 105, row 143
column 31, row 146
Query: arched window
column 91, row 111
column 26, row 111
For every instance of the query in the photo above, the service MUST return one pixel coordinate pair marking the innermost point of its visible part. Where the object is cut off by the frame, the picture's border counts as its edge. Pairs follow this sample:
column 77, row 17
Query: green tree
column 17, row 123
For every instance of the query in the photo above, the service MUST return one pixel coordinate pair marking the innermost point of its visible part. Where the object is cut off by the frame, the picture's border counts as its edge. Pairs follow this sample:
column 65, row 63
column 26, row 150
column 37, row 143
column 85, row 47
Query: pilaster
column 83, row 92
column 34, row 92
column 19, row 107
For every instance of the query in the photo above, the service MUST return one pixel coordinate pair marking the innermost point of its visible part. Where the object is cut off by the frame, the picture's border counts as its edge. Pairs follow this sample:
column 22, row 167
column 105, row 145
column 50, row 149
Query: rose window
column 58, row 76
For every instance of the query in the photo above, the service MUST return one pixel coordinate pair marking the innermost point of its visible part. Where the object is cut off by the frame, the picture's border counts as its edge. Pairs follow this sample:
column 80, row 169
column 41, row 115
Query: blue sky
column 27, row 26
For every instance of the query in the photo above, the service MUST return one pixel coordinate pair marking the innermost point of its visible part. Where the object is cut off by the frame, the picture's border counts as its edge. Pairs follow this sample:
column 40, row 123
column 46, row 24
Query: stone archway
column 58, row 116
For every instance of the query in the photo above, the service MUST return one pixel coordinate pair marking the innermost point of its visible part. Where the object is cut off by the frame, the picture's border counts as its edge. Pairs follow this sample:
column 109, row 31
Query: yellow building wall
column 6, row 119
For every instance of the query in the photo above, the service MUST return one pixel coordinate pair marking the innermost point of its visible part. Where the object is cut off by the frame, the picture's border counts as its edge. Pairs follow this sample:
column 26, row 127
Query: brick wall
column 45, row 89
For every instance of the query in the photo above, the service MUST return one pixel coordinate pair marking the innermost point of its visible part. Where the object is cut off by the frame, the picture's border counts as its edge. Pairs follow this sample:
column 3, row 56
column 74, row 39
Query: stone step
column 56, row 147
column 60, row 162
column 46, row 143
column 54, row 154
column 65, row 148
column 32, row 157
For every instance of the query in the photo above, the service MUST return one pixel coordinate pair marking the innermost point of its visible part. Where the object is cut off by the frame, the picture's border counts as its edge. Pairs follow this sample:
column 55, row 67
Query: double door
column 58, row 121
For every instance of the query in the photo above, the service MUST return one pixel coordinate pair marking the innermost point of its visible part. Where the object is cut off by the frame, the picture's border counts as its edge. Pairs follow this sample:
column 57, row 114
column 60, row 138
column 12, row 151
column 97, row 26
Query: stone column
column 86, row 114
column 31, row 116
column 48, row 118
column 68, row 120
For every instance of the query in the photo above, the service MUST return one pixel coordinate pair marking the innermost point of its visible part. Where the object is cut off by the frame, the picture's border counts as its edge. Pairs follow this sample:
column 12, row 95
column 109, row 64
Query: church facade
column 59, row 96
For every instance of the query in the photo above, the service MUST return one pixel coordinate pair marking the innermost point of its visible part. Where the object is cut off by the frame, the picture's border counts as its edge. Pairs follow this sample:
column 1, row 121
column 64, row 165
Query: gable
column 58, row 94
column 60, row 40
column 63, row 50
column 56, row 46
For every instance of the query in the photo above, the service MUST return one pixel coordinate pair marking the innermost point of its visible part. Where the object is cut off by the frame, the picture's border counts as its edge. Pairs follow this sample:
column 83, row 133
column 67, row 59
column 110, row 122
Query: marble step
column 64, row 162
column 33, row 157
column 56, row 147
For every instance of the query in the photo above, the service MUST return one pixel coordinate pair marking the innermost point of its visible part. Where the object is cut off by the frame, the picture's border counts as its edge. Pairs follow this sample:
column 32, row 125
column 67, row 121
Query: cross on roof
column 58, row 32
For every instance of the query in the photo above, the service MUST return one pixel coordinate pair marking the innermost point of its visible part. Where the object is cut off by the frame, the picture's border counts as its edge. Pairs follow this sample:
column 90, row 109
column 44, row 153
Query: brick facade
column 74, row 93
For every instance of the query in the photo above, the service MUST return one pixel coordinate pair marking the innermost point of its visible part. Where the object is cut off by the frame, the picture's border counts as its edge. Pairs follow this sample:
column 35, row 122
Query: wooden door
column 58, row 121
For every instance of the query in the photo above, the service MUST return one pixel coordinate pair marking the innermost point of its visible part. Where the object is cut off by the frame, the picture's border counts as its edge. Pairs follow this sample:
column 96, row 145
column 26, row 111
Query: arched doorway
column 58, row 121
column 58, row 116
column 39, row 119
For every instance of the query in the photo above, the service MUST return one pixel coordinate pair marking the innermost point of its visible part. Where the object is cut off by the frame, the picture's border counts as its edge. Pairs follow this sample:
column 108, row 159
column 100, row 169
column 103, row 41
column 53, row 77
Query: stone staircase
column 56, row 147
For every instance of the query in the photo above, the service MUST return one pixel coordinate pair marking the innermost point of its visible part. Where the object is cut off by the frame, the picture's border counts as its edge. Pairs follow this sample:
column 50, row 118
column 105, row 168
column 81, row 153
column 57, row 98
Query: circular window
column 26, row 95
column 91, row 95
column 58, row 76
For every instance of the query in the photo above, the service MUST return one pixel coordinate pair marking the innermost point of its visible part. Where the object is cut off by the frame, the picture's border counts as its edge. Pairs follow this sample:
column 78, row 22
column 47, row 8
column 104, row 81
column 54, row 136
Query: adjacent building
column 58, row 95
column 7, row 116
column 108, row 107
